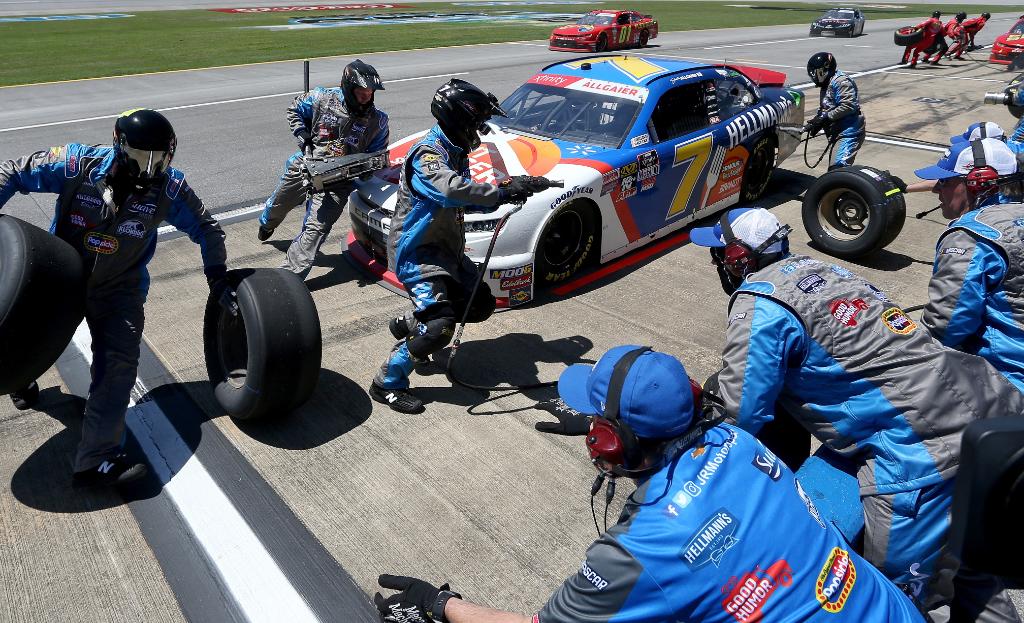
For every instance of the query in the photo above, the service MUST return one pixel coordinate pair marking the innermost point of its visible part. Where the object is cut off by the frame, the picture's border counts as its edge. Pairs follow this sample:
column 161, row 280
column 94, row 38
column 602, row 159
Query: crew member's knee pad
column 482, row 305
column 431, row 336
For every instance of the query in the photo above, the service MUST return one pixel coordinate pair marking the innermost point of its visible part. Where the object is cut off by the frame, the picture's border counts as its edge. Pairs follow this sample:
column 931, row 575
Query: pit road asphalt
column 479, row 500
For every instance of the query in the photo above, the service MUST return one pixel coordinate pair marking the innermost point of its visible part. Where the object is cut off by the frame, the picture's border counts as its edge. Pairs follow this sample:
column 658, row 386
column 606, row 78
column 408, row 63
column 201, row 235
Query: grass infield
column 152, row 41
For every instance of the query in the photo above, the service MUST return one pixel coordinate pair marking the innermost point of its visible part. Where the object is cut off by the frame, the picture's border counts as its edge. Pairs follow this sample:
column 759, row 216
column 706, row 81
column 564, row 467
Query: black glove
column 815, row 125
column 571, row 422
column 414, row 603
column 304, row 140
column 519, row 187
column 221, row 289
column 898, row 182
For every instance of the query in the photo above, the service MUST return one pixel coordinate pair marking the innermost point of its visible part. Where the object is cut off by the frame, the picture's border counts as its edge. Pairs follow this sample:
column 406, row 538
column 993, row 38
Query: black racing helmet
column 144, row 145
column 359, row 75
column 936, row 13
column 462, row 110
column 821, row 67
column 987, row 15
column 961, row 16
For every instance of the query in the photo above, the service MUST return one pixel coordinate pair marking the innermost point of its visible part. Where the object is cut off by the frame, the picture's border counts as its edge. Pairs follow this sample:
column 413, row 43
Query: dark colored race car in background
column 602, row 30
column 1008, row 47
column 839, row 23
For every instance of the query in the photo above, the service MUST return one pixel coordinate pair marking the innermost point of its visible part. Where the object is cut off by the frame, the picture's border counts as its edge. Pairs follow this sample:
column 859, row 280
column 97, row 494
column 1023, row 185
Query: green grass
column 163, row 40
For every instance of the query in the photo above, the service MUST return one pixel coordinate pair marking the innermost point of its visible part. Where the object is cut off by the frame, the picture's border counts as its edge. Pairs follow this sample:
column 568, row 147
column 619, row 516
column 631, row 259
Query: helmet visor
column 146, row 163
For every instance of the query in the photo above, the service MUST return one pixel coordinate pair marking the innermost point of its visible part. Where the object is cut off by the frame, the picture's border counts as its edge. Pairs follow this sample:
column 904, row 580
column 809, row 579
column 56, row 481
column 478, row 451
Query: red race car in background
column 603, row 30
column 1007, row 48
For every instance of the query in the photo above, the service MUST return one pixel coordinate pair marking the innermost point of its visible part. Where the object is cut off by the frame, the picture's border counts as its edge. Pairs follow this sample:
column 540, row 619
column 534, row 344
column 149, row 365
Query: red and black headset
column 611, row 440
column 982, row 176
column 738, row 257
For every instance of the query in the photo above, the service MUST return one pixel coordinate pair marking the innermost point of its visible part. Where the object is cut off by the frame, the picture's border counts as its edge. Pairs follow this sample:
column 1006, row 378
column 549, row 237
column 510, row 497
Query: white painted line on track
column 536, row 45
column 908, row 144
column 740, row 45
column 170, row 232
column 202, row 104
column 249, row 573
column 922, row 75
column 850, row 45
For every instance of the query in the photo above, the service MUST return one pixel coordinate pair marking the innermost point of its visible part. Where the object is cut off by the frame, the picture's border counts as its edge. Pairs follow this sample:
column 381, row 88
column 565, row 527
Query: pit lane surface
column 459, row 493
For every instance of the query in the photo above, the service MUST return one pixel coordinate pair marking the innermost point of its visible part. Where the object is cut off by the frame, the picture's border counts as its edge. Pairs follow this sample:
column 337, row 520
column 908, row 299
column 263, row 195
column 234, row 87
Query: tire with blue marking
column 42, row 301
column 266, row 361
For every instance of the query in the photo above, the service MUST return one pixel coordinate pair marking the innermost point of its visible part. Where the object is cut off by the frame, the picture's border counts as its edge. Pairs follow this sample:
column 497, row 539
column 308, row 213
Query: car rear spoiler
column 762, row 77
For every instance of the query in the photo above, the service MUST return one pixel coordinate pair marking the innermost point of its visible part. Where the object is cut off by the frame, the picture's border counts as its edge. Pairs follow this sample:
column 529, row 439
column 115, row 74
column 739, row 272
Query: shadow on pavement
column 43, row 480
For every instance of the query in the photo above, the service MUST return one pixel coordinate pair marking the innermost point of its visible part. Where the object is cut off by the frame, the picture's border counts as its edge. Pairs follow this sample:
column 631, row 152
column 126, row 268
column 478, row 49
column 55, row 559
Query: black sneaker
column 26, row 398
column 398, row 399
column 116, row 471
column 399, row 328
column 264, row 233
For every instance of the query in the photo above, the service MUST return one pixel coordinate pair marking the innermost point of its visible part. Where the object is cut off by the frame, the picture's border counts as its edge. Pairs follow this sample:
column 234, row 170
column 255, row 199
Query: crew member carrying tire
column 955, row 31
column 427, row 240
column 839, row 113
column 326, row 122
column 110, row 202
column 931, row 29
column 973, row 26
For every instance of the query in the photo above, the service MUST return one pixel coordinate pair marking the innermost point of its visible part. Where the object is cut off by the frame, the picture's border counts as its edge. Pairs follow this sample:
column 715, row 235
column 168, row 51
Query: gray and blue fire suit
column 426, row 250
column 724, row 533
column 841, row 106
column 322, row 113
column 870, row 384
column 115, row 243
column 975, row 301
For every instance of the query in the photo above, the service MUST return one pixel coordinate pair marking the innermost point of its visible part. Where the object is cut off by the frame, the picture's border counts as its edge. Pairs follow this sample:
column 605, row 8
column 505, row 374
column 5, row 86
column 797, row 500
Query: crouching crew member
column 839, row 111
column 427, row 241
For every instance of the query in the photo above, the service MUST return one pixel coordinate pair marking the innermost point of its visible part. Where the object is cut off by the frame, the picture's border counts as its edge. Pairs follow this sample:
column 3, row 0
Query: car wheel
column 758, row 171
column 42, row 301
column 266, row 361
column 602, row 43
column 568, row 242
column 851, row 211
column 644, row 38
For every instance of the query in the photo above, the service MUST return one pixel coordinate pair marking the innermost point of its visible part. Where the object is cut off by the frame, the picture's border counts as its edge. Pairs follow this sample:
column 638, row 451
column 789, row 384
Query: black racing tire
column 642, row 40
column 602, row 43
column 758, row 171
column 853, row 211
column 908, row 35
column 265, row 362
column 42, row 301
column 568, row 243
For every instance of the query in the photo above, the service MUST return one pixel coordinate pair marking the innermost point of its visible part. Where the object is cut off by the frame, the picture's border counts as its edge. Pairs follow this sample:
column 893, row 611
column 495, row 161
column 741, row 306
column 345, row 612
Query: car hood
column 500, row 155
column 574, row 30
column 830, row 21
column 1011, row 39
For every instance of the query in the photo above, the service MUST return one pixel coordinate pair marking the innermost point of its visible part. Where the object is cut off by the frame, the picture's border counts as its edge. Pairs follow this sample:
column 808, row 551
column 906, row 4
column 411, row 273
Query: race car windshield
column 570, row 115
column 1018, row 28
column 595, row 20
column 838, row 15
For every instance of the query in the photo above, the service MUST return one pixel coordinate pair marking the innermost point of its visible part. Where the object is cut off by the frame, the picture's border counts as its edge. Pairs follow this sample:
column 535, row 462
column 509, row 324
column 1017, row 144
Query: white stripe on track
column 740, row 45
column 250, row 575
column 217, row 103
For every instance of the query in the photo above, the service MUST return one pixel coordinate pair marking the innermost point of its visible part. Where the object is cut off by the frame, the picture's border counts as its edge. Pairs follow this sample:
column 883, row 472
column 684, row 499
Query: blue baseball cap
column 751, row 225
column 656, row 400
column 959, row 160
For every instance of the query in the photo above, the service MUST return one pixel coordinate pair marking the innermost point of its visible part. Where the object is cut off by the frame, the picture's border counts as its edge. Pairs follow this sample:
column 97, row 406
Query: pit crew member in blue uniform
column 718, row 530
column 975, row 301
column 326, row 122
column 110, row 202
column 427, row 241
column 861, row 376
column 839, row 113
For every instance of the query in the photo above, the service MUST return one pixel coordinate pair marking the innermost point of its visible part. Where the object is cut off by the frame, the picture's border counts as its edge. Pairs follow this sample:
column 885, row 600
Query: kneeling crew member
column 839, row 111
column 975, row 301
column 427, row 241
column 973, row 26
column 861, row 376
column 111, row 202
column 682, row 551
